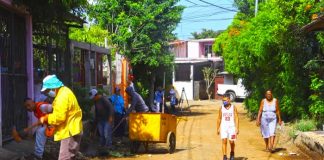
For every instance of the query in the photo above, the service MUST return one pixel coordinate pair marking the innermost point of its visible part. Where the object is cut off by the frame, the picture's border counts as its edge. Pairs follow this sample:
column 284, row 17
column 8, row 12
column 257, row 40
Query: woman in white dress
column 268, row 116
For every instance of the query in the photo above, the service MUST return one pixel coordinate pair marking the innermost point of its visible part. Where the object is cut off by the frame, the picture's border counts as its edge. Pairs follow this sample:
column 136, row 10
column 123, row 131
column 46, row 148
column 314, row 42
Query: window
column 208, row 49
column 182, row 72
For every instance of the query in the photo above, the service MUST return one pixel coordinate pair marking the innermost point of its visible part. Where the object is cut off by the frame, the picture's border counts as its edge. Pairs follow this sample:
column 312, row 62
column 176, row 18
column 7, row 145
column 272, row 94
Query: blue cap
column 129, row 89
column 51, row 82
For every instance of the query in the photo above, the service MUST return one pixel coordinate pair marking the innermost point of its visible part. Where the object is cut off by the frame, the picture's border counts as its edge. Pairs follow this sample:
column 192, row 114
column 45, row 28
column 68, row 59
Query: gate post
column 0, row 107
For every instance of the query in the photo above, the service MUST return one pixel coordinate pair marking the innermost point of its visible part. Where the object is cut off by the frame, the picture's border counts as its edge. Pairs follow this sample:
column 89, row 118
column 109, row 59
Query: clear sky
column 200, row 14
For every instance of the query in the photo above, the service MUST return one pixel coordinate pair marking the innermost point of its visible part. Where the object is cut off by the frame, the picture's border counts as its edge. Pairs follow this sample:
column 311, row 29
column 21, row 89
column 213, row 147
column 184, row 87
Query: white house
column 190, row 58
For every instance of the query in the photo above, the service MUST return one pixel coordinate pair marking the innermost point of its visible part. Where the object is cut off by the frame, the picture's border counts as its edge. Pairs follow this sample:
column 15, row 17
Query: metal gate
column 13, row 71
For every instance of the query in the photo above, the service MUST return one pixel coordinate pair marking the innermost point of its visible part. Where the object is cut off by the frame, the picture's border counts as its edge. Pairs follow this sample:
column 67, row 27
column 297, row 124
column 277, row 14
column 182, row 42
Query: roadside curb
column 313, row 140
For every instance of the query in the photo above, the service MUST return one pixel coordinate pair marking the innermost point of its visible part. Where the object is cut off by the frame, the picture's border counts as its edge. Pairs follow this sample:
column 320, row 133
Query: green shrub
column 82, row 94
column 140, row 88
column 317, row 99
column 305, row 125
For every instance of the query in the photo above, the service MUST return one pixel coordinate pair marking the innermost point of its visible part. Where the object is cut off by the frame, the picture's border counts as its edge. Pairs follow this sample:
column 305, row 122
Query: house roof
column 89, row 46
column 223, row 73
column 316, row 25
column 177, row 42
column 202, row 40
column 198, row 60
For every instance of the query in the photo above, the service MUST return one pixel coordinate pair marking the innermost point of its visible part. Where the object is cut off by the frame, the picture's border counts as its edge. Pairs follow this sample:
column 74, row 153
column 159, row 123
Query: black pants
column 173, row 109
column 119, row 132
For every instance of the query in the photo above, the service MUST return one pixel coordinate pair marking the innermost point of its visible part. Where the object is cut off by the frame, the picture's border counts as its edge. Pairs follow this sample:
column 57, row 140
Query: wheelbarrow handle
column 115, row 127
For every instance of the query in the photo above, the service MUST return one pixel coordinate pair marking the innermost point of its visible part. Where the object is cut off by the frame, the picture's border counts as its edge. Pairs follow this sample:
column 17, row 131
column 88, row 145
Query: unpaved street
column 197, row 139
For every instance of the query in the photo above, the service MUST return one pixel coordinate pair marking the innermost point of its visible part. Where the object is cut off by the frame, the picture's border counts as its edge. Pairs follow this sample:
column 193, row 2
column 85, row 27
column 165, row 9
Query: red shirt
column 38, row 113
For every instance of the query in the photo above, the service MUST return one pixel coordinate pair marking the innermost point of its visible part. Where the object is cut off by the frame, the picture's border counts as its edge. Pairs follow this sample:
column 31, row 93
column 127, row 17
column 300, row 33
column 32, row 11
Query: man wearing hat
column 66, row 117
column 104, row 112
column 137, row 102
column 118, row 102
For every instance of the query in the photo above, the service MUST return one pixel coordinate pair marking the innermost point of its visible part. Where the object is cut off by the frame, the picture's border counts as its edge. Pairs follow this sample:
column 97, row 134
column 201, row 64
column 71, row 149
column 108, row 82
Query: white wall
column 188, row 86
column 193, row 49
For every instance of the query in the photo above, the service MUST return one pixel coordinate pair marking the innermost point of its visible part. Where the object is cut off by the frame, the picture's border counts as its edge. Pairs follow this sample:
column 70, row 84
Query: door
column 218, row 80
column 13, row 71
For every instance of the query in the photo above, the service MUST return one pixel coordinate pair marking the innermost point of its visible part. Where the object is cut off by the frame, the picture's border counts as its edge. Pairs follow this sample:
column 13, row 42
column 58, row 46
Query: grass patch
column 302, row 126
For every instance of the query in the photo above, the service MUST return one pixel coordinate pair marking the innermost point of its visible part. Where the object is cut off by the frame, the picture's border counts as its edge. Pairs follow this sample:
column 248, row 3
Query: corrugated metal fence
column 13, row 71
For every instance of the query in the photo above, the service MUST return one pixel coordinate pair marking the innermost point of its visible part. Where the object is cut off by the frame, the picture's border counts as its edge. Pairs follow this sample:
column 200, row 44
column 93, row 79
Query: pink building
column 191, row 57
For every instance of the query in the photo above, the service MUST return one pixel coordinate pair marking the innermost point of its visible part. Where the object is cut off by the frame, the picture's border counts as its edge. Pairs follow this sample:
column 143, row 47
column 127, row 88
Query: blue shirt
column 159, row 96
column 118, row 103
column 173, row 98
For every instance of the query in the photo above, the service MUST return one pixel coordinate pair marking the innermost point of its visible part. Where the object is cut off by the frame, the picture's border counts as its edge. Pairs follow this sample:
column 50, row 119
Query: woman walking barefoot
column 268, row 115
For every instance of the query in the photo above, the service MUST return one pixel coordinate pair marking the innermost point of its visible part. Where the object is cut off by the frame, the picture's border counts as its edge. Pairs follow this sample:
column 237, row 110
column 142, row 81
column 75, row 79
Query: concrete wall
column 187, row 85
column 193, row 49
column 313, row 141
column 180, row 50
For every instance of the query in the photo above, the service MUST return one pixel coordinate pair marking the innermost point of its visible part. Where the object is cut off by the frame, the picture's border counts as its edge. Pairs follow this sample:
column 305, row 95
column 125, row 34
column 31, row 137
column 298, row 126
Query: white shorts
column 228, row 132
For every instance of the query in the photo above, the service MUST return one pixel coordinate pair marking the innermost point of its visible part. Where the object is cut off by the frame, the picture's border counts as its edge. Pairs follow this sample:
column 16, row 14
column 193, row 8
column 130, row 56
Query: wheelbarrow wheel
column 134, row 146
column 171, row 142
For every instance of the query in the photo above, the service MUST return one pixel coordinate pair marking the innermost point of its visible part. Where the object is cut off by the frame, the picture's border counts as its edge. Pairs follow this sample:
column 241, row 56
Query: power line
column 205, row 6
column 203, row 15
column 195, row 11
column 204, row 20
column 218, row 6
column 192, row 2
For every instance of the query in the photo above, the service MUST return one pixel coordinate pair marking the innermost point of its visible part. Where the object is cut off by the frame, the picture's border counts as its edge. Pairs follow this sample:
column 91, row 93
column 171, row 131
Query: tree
column 93, row 34
column 269, row 51
column 53, row 10
column 246, row 7
column 210, row 74
column 140, row 30
column 206, row 33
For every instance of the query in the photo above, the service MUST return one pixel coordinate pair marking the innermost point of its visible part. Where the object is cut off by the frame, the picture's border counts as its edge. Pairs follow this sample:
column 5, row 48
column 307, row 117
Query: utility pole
column 256, row 8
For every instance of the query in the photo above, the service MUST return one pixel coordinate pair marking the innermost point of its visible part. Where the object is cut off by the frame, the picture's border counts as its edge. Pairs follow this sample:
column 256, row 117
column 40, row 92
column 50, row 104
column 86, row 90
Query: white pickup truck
column 234, row 91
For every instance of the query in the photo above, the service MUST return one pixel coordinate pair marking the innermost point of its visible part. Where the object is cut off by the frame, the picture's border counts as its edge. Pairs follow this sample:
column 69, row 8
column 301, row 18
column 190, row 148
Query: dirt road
column 197, row 139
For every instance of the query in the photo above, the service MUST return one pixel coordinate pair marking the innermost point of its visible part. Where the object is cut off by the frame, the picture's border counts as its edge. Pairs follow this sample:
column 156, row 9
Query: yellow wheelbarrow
column 148, row 128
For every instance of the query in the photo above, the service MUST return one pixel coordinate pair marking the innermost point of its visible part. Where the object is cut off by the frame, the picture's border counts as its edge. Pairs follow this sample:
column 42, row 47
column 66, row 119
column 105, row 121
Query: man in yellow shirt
column 66, row 117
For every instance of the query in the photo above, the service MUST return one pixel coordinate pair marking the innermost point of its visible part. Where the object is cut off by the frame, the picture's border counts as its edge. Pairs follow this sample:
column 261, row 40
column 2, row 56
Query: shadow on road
column 159, row 151
column 196, row 105
column 278, row 150
column 191, row 114
column 240, row 158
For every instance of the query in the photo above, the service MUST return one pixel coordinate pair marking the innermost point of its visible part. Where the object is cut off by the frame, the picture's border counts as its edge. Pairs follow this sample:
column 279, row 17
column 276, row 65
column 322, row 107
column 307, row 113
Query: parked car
column 234, row 90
